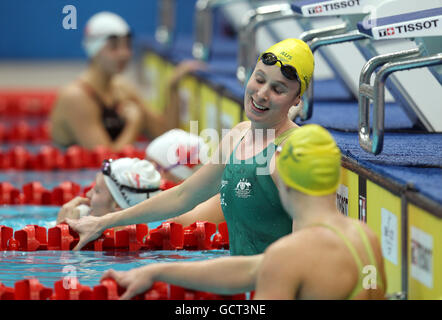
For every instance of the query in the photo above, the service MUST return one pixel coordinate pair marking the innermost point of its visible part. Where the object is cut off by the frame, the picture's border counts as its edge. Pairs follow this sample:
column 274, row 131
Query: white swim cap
column 128, row 179
column 98, row 29
column 179, row 151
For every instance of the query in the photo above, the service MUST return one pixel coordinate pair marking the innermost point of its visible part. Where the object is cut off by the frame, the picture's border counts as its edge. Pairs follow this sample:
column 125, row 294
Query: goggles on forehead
column 114, row 40
column 106, row 170
column 128, row 35
column 288, row 71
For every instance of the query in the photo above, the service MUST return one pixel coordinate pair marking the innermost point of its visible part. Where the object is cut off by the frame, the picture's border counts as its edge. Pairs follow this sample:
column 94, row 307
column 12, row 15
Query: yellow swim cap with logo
column 297, row 54
column 310, row 161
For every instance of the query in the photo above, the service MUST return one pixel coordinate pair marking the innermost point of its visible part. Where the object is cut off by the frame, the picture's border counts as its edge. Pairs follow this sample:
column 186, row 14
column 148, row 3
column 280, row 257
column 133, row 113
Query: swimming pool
column 50, row 266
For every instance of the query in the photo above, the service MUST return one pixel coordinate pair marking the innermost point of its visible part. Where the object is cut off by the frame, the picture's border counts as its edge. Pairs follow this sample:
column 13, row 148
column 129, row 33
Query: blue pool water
column 17, row 217
column 51, row 266
column 88, row 266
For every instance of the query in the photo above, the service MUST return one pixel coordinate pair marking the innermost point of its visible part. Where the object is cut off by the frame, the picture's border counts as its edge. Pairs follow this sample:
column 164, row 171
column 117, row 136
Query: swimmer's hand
column 70, row 210
column 184, row 68
column 88, row 228
column 296, row 111
column 131, row 112
column 135, row 281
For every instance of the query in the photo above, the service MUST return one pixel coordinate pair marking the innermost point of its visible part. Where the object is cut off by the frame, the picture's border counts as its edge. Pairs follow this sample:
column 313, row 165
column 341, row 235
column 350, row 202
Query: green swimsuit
column 251, row 204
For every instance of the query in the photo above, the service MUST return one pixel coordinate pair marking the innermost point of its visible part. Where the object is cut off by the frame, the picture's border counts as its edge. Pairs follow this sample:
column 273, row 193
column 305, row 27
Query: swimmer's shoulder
column 374, row 241
column 287, row 254
column 122, row 81
column 301, row 242
column 229, row 140
column 73, row 98
column 293, row 127
column 305, row 250
column 322, row 240
column 71, row 93
column 243, row 125
column 238, row 131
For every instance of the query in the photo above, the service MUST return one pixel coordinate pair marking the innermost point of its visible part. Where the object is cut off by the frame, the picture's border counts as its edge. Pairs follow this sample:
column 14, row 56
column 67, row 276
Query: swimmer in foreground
column 102, row 107
column 328, row 256
column 242, row 167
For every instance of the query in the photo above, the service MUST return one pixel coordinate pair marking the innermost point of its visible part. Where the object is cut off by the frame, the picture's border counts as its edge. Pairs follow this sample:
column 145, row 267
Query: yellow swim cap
column 310, row 161
column 296, row 53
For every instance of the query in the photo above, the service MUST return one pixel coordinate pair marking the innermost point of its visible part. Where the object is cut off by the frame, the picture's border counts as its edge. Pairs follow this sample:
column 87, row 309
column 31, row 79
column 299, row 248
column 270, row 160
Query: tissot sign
column 332, row 8
column 415, row 28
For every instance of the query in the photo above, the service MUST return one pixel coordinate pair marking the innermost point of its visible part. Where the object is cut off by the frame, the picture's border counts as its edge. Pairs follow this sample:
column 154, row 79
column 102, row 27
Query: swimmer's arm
column 228, row 275
column 202, row 185
column 209, row 210
column 199, row 187
column 225, row 276
column 280, row 273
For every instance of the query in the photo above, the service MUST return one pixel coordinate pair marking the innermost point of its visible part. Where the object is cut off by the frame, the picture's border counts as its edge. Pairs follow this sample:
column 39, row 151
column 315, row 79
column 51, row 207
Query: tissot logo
column 410, row 27
column 336, row 5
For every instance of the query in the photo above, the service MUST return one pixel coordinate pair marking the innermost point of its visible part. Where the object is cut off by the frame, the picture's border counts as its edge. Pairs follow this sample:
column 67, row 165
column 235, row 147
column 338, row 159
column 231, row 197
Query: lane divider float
column 107, row 289
column 201, row 235
column 34, row 193
column 52, row 158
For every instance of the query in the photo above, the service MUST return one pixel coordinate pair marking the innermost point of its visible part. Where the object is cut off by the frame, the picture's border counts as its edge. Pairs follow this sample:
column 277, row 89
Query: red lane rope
column 33, row 193
column 71, row 289
column 23, row 132
column 201, row 235
column 51, row 158
column 37, row 102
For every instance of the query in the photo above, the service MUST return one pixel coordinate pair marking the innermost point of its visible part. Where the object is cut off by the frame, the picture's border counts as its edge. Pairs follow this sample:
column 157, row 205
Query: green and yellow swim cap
column 310, row 161
column 296, row 53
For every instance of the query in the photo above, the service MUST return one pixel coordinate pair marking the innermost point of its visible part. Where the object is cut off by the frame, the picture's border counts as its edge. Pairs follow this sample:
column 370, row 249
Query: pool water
column 17, row 217
column 88, row 266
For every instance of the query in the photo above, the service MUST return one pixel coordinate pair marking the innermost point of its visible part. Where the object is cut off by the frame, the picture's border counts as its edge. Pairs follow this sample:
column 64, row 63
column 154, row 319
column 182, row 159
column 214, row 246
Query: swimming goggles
column 288, row 71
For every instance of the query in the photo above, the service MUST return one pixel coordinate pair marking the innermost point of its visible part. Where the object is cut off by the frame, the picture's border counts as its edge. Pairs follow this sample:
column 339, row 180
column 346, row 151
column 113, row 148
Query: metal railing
column 376, row 93
column 315, row 44
column 164, row 32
